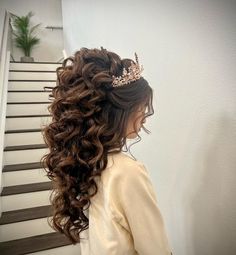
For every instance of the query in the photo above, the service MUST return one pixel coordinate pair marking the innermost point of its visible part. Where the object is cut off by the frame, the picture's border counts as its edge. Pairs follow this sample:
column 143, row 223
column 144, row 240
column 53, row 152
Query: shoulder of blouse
column 124, row 173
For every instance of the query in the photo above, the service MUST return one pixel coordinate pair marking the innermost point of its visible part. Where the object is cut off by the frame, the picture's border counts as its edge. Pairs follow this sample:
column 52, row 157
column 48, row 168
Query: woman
column 102, row 198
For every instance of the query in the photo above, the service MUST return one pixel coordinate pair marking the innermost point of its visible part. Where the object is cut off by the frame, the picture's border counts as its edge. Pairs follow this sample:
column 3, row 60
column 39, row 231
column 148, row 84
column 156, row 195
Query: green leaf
column 22, row 32
column 34, row 28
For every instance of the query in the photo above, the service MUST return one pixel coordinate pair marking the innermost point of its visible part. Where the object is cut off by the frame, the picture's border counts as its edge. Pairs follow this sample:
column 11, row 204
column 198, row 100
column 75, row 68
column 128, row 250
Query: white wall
column 187, row 49
column 46, row 12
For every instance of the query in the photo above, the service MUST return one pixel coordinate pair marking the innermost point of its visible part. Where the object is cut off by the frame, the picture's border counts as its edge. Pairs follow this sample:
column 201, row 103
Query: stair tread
column 23, row 130
column 33, row 71
column 26, row 214
column 29, row 91
column 34, row 244
column 25, row 188
column 29, row 116
column 34, row 80
column 25, row 147
column 24, row 166
column 43, row 102
column 37, row 62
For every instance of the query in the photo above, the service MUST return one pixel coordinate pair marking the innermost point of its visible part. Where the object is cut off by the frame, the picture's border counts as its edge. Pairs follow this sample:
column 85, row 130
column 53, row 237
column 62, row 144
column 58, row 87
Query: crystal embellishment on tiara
column 133, row 74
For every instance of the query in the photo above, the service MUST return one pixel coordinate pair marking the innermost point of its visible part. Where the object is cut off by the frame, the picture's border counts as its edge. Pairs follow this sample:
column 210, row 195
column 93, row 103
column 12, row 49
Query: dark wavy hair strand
column 89, row 118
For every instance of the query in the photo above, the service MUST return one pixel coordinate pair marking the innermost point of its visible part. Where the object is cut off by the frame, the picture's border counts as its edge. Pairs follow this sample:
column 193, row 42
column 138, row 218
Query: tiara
column 133, row 74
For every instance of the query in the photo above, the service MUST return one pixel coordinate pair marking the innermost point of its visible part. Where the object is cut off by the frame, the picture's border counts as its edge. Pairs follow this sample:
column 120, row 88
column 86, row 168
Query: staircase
column 25, row 196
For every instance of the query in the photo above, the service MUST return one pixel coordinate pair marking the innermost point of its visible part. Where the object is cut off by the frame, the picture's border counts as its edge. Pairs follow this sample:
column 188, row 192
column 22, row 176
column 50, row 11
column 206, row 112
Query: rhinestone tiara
column 133, row 74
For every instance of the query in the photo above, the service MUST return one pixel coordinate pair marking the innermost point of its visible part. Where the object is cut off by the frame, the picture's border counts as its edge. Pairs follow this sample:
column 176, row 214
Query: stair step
column 21, row 177
column 23, row 138
column 27, row 122
column 25, row 147
column 33, row 71
column 25, row 188
column 25, row 154
column 29, row 116
column 25, row 91
column 29, row 96
column 34, row 244
column 33, row 80
column 47, row 102
column 22, row 130
column 32, row 75
column 37, row 62
column 23, row 229
column 28, row 108
column 25, row 166
column 26, row 214
column 25, row 200
column 34, row 85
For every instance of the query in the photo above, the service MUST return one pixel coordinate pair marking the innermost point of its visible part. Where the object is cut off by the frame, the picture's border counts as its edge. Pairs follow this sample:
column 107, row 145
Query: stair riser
column 67, row 249
column 37, row 67
column 31, row 76
column 24, row 177
column 23, row 156
column 23, row 138
column 28, row 96
column 27, row 123
column 33, row 85
column 25, row 200
column 24, row 229
column 27, row 109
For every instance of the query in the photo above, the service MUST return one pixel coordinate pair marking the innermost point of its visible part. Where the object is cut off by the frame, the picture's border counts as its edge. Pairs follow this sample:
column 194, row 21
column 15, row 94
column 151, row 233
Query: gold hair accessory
column 133, row 74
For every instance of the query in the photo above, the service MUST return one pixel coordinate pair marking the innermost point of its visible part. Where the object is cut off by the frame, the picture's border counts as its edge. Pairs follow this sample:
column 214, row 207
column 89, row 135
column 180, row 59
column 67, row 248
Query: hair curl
column 89, row 118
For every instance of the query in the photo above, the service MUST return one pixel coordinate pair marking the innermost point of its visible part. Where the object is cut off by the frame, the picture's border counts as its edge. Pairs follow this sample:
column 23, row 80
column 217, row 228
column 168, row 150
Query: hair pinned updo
column 89, row 121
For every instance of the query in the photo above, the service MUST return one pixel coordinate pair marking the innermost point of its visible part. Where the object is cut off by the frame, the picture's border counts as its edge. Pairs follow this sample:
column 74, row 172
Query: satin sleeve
column 139, row 213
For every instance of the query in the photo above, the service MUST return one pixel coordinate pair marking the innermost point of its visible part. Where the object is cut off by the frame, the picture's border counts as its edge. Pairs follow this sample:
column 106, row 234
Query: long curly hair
column 89, row 121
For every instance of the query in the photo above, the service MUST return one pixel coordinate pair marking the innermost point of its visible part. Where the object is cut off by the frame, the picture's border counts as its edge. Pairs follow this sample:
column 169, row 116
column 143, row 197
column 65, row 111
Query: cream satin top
column 124, row 218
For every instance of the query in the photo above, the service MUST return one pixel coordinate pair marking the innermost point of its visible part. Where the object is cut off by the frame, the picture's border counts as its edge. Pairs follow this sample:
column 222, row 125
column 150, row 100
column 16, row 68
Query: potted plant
column 23, row 35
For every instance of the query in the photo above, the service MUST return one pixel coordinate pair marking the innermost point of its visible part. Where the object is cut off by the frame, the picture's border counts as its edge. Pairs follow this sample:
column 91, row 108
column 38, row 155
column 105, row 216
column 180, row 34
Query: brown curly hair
column 89, row 119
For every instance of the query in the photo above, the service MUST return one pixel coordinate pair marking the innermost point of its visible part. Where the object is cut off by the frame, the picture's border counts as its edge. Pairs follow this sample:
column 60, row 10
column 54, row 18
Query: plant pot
column 27, row 59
